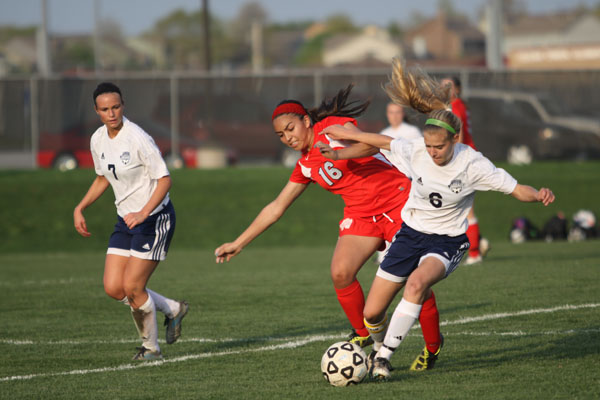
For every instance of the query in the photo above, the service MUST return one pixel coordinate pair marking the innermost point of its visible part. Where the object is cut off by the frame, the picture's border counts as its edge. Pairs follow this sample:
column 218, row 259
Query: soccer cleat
column 361, row 341
column 473, row 260
column 174, row 324
column 426, row 360
column 145, row 354
column 484, row 246
column 370, row 359
column 380, row 369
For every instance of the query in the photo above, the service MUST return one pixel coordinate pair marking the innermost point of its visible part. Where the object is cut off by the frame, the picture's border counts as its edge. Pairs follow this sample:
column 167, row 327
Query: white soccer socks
column 167, row 306
column 377, row 331
column 404, row 317
column 145, row 322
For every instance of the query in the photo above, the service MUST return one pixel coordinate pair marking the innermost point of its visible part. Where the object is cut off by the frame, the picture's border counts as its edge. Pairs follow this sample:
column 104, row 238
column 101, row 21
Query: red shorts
column 383, row 226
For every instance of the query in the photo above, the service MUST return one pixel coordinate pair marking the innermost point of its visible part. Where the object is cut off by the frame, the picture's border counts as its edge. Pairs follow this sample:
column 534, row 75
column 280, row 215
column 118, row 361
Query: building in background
column 567, row 40
column 446, row 40
column 371, row 47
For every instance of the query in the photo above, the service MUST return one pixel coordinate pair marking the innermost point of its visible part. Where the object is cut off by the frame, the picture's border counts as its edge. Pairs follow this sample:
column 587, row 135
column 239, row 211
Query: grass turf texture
column 278, row 293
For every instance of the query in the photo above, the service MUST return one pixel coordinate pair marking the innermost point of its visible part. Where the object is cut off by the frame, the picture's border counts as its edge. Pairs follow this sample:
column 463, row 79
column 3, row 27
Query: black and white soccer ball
column 344, row 364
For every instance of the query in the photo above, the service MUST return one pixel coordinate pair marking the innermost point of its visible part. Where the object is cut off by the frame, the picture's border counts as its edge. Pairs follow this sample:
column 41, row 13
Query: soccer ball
column 344, row 364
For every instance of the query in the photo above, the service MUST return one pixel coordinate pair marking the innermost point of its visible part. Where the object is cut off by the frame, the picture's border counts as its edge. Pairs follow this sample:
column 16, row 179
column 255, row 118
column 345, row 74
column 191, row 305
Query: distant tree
column 447, row 7
column 340, row 23
column 78, row 55
column 181, row 34
column 395, row 30
column 513, row 10
column 241, row 27
column 9, row 32
column 310, row 53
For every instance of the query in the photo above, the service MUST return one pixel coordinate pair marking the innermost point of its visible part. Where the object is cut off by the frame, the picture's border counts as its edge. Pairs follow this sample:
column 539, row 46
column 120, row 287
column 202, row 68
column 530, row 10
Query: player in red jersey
column 479, row 246
column 373, row 191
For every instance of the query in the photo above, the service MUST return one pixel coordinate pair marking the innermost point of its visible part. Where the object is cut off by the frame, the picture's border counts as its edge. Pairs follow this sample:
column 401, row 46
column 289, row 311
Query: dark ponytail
column 338, row 106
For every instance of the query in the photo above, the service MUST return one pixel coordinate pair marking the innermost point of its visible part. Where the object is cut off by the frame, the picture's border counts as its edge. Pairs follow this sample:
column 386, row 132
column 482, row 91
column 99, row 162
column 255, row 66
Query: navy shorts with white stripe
column 149, row 240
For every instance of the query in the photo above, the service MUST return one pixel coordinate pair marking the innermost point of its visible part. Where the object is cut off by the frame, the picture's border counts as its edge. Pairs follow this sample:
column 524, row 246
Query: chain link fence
column 208, row 120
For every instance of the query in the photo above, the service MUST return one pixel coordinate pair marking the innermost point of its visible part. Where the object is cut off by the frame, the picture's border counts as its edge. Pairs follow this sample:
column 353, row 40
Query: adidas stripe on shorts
column 149, row 240
column 410, row 247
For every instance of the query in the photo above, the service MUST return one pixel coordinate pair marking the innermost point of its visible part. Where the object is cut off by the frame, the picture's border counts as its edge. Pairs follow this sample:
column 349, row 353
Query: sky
column 137, row 16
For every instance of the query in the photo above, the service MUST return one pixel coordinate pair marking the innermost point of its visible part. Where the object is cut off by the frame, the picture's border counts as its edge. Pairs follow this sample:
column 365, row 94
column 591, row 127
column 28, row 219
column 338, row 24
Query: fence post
column 35, row 119
column 174, row 103
column 318, row 88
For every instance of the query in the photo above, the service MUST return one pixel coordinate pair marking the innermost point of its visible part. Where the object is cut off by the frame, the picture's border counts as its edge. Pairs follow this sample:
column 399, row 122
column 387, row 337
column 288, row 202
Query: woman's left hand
column 327, row 151
column 545, row 196
column 135, row 218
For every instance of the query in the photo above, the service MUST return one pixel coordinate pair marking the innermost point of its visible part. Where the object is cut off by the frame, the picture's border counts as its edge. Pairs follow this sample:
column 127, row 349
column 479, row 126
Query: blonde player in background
column 398, row 129
column 432, row 241
column 126, row 158
column 479, row 245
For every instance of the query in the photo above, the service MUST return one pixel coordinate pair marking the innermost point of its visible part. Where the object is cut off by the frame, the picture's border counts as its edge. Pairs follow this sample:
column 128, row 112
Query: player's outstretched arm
column 267, row 217
column 339, row 132
column 529, row 194
column 355, row 150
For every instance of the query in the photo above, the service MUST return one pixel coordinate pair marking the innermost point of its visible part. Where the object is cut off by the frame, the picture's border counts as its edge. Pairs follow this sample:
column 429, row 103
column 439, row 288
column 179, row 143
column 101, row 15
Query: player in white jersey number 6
column 445, row 176
column 126, row 158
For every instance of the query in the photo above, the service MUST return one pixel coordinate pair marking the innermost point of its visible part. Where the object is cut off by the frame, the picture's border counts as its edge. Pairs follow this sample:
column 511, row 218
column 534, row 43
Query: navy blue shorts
column 410, row 247
column 149, row 240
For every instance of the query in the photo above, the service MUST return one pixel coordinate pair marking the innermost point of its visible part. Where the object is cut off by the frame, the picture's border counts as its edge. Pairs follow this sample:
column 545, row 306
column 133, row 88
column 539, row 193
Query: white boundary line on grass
column 300, row 342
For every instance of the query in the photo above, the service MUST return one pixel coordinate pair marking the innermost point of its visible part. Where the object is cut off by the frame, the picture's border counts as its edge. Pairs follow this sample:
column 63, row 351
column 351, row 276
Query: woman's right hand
column 337, row 132
column 226, row 251
column 79, row 222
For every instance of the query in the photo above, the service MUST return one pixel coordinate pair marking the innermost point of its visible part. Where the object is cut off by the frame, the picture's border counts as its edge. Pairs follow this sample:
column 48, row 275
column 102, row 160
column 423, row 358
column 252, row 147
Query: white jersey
column 131, row 163
column 403, row 131
column 441, row 196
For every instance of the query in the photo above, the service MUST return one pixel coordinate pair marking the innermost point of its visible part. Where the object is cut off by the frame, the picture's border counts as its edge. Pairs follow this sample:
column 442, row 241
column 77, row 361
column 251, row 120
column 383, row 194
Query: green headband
column 441, row 124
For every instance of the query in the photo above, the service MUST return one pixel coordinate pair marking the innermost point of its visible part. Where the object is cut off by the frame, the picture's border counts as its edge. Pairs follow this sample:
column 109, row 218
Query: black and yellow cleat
column 362, row 341
column 426, row 360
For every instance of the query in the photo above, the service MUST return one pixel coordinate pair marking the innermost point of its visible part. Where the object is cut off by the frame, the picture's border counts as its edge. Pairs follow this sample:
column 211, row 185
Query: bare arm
column 162, row 188
column 367, row 143
column 267, row 217
column 527, row 193
column 98, row 186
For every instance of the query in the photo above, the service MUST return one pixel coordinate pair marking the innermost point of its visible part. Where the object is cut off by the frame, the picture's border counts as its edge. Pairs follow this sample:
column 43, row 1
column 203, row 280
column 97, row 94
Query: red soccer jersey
column 459, row 108
column 369, row 185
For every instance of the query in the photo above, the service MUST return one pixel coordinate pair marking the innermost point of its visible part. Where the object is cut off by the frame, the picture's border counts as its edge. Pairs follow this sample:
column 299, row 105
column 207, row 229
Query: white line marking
column 48, row 282
column 301, row 342
column 519, row 313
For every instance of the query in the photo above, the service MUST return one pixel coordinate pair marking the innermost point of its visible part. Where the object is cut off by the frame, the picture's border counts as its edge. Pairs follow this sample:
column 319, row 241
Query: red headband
column 288, row 108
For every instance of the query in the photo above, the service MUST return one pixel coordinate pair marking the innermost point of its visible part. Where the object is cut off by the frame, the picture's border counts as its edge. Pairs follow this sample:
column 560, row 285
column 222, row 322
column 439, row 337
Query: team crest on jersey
column 456, row 185
column 125, row 157
column 420, row 181
column 346, row 224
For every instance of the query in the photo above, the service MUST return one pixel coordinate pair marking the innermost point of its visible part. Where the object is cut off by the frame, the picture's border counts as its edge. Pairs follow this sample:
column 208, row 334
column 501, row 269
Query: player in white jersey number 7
column 431, row 242
column 126, row 158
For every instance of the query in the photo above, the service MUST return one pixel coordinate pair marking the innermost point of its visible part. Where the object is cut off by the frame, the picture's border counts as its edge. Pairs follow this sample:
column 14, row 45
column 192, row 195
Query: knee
column 132, row 290
column 416, row 288
column 116, row 292
column 373, row 316
column 341, row 276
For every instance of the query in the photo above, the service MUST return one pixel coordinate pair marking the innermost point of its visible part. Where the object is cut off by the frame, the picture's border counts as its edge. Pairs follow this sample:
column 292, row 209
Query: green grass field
column 524, row 324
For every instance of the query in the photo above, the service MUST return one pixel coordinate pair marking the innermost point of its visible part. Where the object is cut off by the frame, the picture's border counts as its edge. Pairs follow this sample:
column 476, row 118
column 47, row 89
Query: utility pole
column 493, row 39
column 97, row 42
column 257, row 46
column 206, row 25
column 43, row 52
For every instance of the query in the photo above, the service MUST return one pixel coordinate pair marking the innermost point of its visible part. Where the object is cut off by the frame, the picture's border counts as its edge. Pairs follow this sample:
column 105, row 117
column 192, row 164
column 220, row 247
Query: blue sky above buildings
column 137, row 16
